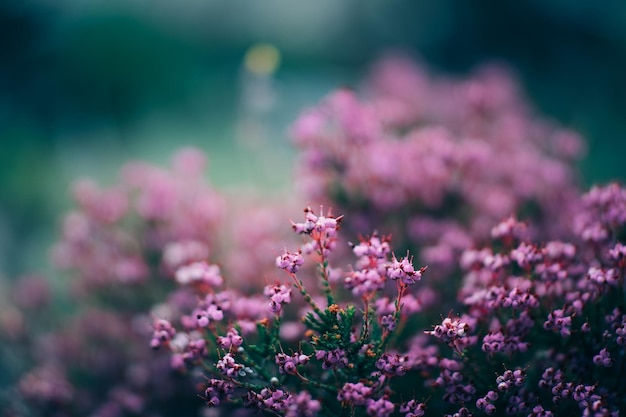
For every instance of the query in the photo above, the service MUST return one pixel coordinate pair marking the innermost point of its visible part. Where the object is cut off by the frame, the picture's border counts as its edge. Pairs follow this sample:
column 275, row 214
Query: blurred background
column 87, row 85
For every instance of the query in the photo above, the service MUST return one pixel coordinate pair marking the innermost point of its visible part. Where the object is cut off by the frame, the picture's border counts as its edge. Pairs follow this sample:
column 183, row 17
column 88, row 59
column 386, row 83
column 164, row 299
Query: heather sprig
column 343, row 358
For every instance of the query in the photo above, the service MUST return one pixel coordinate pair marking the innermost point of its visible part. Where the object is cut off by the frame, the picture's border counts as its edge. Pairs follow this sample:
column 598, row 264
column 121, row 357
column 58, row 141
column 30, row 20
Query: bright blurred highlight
column 262, row 59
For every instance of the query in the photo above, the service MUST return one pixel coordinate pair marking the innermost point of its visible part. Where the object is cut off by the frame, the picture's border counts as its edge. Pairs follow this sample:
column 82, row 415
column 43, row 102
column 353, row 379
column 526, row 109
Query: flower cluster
column 199, row 273
column 403, row 270
column 551, row 313
column 231, row 340
column 547, row 319
column 455, row 332
column 290, row 262
column 289, row 364
column 437, row 161
column 527, row 312
column 284, row 403
column 279, row 295
column 343, row 359
column 122, row 247
column 332, row 359
column 113, row 231
column 163, row 332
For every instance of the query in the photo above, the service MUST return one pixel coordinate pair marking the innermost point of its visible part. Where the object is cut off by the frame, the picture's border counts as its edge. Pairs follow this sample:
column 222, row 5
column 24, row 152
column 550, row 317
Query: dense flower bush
column 339, row 360
column 435, row 161
column 114, row 232
column 426, row 296
column 124, row 251
column 119, row 249
column 539, row 329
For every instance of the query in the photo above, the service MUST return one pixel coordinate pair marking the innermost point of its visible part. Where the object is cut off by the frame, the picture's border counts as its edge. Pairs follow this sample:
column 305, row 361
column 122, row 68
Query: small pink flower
column 279, row 295
column 199, row 272
column 290, row 262
column 232, row 339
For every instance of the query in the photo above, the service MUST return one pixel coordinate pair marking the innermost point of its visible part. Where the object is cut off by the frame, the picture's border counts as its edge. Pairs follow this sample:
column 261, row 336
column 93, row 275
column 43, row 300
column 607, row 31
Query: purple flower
column 230, row 368
column 289, row 364
column 403, row 270
column 162, row 333
column 321, row 224
column 375, row 247
column 279, row 295
column 380, row 407
column 177, row 254
column 199, row 273
column 212, row 312
column 354, row 393
column 413, row 409
column 365, row 282
column 453, row 331
column 511, row 378
column 333, row 359
column 559, row 322
column 508, row 229
column 290, row 262
column 392, row 365
column 194, row 350
column 217, row 391
column 601, row 276
column 388, row 322
column 618, row 253
column 275, row 400
column 526, row 255
column 603, row 359
column 302, row 405
column 232, row 339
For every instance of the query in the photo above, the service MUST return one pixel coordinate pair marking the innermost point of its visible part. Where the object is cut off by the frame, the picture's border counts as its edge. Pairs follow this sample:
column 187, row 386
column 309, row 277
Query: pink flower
column 290, row 262
column 403, row 270
column 279, row 295
column 199, row 273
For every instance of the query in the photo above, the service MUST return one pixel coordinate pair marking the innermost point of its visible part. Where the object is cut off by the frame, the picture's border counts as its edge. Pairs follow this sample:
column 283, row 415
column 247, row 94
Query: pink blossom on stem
column 290, row 262
column 279, row 295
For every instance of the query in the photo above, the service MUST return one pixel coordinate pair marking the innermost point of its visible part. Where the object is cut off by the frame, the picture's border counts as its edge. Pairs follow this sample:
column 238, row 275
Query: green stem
column 258, row 368
column 307, row 297
column 323, row 265
column 316, row 384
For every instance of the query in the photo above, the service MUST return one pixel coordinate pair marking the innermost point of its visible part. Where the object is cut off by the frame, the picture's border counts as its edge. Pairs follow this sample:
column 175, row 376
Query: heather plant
column 144, row 240
column 545, row 319
column 341, row 361
column 436, row 161
column 538, row 329
column 114, row 234
column 120, row 247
